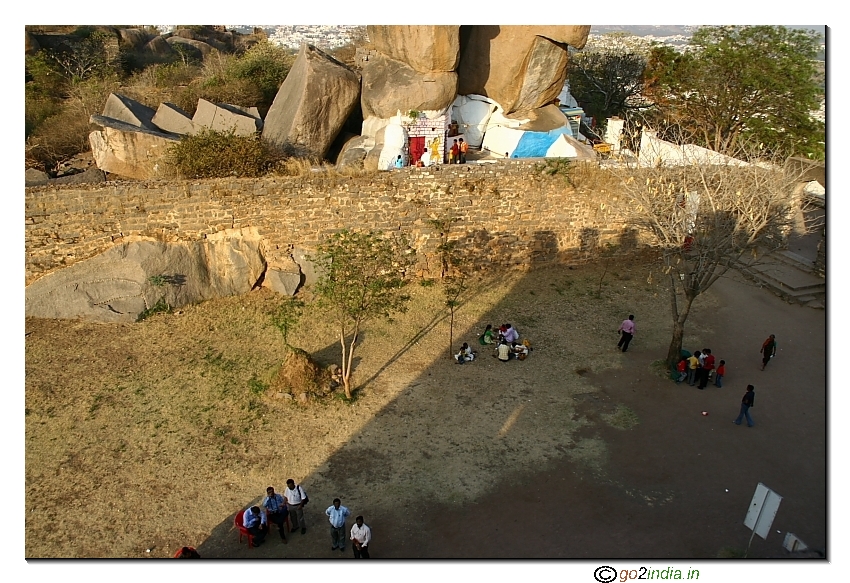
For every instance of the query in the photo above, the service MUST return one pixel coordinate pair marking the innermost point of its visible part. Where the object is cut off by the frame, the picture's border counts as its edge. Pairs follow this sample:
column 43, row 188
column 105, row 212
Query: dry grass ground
column 137, row 423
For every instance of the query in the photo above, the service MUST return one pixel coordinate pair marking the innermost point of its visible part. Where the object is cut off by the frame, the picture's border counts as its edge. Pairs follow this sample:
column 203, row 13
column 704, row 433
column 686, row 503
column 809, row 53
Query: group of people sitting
column 506, row 341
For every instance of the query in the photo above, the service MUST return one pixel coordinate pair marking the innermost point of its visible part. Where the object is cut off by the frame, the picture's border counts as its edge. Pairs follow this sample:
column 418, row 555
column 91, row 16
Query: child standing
column 721, row 370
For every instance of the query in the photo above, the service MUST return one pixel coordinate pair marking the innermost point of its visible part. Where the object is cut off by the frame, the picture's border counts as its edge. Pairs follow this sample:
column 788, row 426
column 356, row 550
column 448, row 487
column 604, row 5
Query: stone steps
column 788, row 276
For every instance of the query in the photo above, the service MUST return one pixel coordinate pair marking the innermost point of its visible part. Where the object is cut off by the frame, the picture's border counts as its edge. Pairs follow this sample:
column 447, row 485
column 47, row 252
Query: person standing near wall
column 464, row 148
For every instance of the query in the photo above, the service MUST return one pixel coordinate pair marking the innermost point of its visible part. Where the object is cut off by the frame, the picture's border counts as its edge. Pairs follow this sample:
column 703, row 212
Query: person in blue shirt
column 399, row 163
column 254, row 520
column 277, row 511
column 337, row 515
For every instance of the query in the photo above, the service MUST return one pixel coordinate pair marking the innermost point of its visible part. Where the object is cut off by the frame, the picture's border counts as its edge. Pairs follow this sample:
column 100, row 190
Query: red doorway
column 416, row 147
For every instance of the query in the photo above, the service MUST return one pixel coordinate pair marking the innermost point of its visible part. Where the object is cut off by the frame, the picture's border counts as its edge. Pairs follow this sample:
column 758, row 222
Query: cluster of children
column 507, row 345
column 699, row 368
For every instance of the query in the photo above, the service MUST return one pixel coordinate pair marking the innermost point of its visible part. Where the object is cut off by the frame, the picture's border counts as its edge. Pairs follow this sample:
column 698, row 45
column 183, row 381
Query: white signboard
column 763, row 508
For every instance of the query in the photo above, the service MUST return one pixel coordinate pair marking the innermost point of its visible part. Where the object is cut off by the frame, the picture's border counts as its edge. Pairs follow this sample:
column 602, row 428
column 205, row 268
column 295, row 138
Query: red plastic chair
column 237, row 522
column 191, row 553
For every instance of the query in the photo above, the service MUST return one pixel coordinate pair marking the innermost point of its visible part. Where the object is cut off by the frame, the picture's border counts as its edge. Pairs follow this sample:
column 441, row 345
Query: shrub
column 212, row 154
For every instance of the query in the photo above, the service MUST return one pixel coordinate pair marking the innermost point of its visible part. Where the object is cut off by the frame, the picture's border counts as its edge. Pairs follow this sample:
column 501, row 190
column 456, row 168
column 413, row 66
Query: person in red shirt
column 707, row 367
column 454, row 153
column 682, row 369
column 721, row 370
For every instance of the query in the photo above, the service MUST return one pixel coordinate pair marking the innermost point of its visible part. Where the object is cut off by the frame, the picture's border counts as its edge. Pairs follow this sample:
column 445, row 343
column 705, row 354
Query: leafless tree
column 705, row 218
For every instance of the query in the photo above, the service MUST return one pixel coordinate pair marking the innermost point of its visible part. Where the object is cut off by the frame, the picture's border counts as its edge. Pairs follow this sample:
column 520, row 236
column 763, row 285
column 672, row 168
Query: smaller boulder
column 224, row 119
column 129, row 111
column 35, row 177
column 172, row 119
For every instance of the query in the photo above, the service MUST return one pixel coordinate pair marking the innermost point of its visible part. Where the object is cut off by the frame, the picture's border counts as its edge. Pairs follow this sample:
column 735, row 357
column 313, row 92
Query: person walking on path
column 296, row 499
column 693, row 366
column 628, row 330
column 746, row 403
column 277, row 511
column 337, row 513
column 768, row 350
column 721, row 370
column 361, row 537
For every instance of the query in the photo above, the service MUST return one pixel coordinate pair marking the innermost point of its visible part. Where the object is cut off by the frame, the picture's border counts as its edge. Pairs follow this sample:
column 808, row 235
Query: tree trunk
column 346, row 371
column 674, row 353
column 451, row 331
column 348, row 367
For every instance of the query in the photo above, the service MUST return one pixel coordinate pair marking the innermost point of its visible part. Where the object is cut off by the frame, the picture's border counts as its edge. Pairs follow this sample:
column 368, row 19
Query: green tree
column 741, row 84
column 608, row 83
column 453, row 271
column 363, row 278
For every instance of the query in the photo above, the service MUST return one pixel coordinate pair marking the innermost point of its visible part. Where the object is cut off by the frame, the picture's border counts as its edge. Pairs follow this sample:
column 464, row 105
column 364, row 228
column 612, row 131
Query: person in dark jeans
column 277, row 510
column 628, row 330
column 361, row 536
column 746, row 403
column 255, row 521
column 768, row 349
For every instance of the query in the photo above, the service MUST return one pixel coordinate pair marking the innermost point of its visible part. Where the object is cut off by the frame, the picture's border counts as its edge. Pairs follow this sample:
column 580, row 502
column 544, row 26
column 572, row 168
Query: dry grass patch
column 134, row 421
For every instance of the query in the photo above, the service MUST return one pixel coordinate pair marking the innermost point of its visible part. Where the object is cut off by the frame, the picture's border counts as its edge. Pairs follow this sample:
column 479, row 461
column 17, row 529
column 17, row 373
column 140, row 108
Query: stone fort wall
column 510, row 214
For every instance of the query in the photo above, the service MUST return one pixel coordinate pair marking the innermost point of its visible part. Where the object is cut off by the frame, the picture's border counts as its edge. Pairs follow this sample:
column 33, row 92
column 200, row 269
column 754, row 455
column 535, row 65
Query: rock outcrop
column 199, row 49
column 390, row 86
column 423, row 48
column 520, row 67
column 127, row 150
column 119, row 284
column 313, row 102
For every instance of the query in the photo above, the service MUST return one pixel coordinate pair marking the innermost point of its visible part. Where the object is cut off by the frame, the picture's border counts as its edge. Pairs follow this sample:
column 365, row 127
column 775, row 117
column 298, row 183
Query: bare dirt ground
column 580, row 451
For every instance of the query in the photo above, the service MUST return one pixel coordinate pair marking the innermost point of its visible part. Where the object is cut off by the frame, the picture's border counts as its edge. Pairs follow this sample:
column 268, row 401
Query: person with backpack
column 296, row 499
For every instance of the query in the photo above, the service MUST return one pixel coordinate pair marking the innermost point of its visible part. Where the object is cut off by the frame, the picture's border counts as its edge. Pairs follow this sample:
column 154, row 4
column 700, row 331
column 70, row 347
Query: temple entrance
column 416, row 147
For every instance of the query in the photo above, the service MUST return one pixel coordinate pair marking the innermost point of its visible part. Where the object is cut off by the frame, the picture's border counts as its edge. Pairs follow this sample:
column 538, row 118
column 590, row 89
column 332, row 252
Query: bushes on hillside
column 212, row 154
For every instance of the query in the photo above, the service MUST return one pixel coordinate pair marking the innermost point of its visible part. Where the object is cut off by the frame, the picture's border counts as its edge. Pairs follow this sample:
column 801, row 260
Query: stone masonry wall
column 510, row 214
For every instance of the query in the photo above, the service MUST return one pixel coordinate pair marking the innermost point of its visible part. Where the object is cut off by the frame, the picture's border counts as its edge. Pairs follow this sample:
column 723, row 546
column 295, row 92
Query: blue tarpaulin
column 536, row 144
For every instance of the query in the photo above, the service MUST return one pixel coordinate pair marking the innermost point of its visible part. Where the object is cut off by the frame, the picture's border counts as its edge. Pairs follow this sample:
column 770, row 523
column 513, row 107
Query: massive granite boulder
column 134, row 38
column 520, row 67
column 313, row 103
column 423, row 48
column 119, row 284
column 390, row 86
column 158, row 46
column 127, row 150
column 129, row 111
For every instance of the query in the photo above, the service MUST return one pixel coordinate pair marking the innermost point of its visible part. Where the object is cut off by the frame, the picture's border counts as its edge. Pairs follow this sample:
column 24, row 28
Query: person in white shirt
column 361, row 536
column 465, row 355
column 296, row 499
column 337, row 515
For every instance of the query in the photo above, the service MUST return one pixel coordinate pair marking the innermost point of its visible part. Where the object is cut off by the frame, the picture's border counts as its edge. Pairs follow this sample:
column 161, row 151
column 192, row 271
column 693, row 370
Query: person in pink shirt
column 628, row 330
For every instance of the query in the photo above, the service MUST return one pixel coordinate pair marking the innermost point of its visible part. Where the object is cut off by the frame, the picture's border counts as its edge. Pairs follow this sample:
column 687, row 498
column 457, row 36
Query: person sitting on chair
column 277, row 511
column 254, row 520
